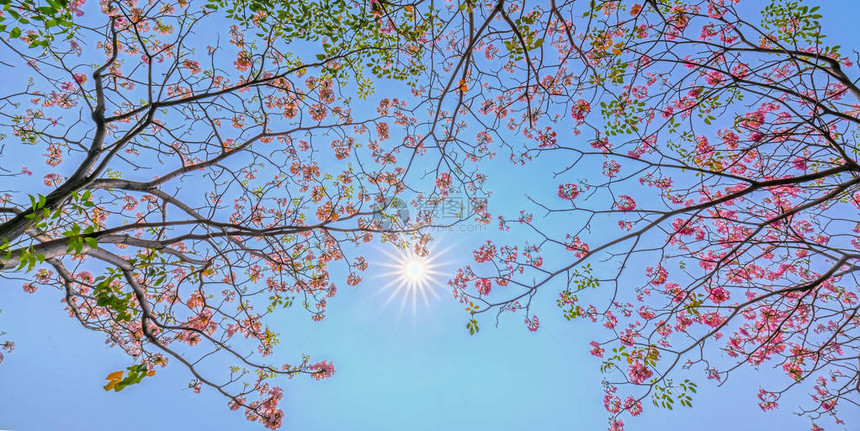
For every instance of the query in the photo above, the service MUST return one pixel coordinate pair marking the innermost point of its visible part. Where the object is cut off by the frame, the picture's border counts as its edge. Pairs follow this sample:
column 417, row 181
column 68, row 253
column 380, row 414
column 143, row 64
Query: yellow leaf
column 111, row 384
column 114, row 378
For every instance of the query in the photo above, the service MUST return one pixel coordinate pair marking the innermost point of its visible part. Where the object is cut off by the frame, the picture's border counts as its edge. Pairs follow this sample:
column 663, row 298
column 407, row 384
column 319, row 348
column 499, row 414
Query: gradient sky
column 396, row 368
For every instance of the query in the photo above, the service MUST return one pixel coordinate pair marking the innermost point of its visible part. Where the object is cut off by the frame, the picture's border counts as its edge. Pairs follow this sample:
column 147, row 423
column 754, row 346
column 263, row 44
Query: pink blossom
column 580, row 110
column 485, row 253
column 714, row 78
column 611, row 403
column 638, row 373
column 625, row 203
column 799, row 163
column 611, row 168
column 767, row 400
column 579, row 248
column 632, row 406
column 483, row 285
column 719, row 295
column 382, row 130
column 568, row 191
column 322, row 370
column 596, row 350
column 533, row 324
column 443, row 182
column 53, row 179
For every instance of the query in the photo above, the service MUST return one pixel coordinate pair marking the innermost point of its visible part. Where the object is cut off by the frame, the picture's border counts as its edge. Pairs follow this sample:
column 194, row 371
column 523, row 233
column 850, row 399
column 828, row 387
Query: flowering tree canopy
column 190, row 187
column 724, row 153
column 193, row 187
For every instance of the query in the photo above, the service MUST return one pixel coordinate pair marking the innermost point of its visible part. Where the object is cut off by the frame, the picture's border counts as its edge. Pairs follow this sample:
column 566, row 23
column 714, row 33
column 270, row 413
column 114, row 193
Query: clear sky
column 397, row 369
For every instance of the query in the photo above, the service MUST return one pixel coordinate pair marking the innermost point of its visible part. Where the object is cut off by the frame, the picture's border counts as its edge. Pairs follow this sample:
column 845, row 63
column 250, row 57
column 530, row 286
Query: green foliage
column 524, row 39
column 39, row 21
column 29, row 259
column 135, row 375
column 579, row 281
column 472, row 326
column 648, row 356
column 353, row 37
column 78, row 238
column 279, row 301
column 624, row 114
column 793, row 22
column 666, row 396
column 612, row 361
column 109, row 294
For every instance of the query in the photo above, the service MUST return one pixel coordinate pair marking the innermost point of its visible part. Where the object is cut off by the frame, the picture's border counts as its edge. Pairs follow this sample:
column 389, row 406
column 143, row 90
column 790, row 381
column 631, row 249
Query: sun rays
column 411, row 277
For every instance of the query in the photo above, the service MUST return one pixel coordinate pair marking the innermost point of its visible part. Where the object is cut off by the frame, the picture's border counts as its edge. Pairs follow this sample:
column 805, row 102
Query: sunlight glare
column 414, row 270
column 412, row 277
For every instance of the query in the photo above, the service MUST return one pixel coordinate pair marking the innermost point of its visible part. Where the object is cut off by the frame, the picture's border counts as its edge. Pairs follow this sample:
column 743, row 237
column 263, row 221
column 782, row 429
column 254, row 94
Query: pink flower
column 730, row 139
column 767, row 400
column 638, row 373
column 799, row 163
column 611, row 403
column 485, row 253
column 580, row 110
column 658, row 275
column 667, row 111
column 793, row 370
column 318, row 111
column 714, row 78
column 602, row 145
column 756, row 136
column 633, row 407
column 443, row 182
column 483, row 285
column 533, row 324
column 85, row 277
column 625, row 203
column 579, row 248
column 611, row 168
column 596, row 349
column 53, row 179
column 382, row 131
column 234, row 403
column 719, row 295
column 322, row 370
column 611, row 320
column 568, row 191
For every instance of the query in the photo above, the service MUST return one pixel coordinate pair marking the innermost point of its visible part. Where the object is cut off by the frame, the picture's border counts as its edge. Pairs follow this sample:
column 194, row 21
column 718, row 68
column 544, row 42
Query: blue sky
column 396, row 368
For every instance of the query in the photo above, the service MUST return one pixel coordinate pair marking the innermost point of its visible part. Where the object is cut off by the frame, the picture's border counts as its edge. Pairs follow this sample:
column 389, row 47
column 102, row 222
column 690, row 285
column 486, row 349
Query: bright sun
column 411, row 277
column 414, row 270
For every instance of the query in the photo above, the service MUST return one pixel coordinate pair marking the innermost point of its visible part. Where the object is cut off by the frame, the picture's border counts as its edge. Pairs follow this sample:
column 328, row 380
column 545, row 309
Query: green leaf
column 92, row 242
column 472, row 326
